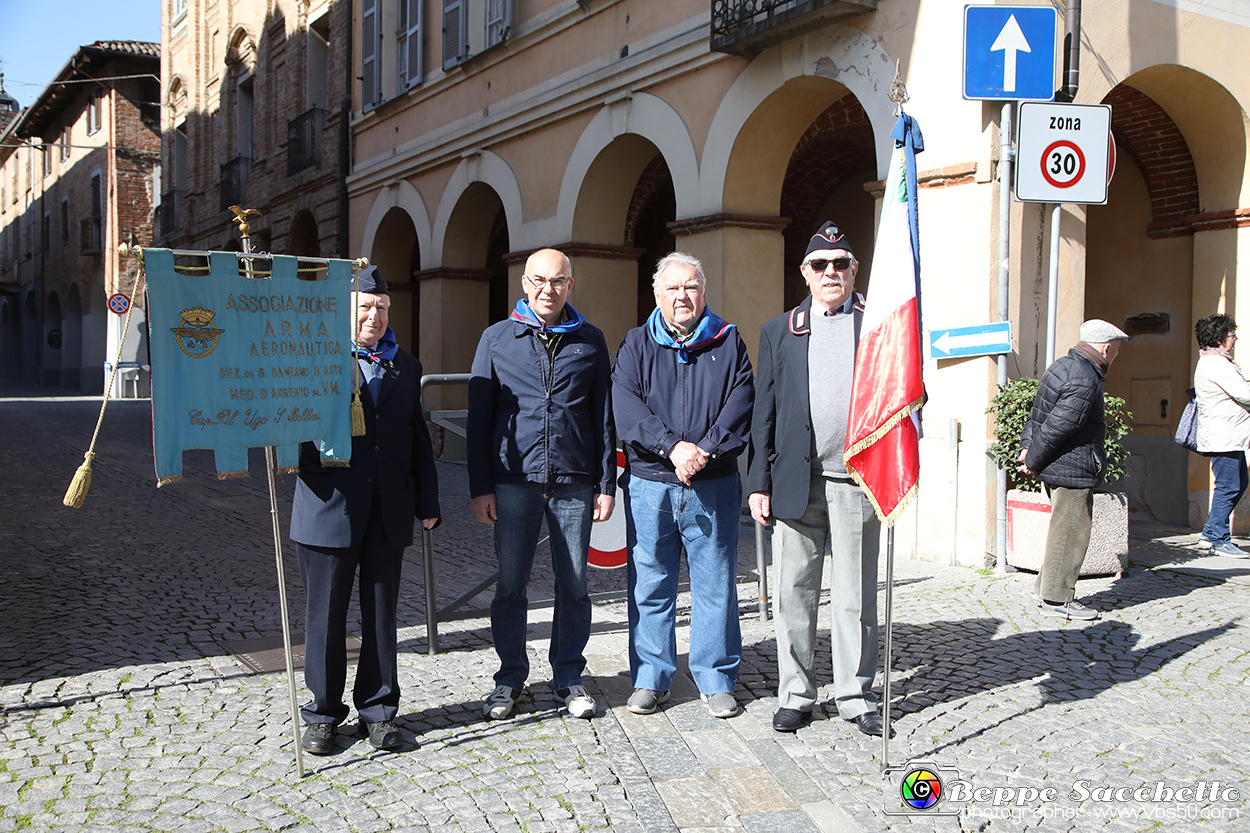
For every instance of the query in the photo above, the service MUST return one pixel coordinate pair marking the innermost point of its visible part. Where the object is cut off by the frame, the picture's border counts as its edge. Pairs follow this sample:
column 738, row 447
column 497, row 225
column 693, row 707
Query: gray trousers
column 1067, row 539
column 838, row 513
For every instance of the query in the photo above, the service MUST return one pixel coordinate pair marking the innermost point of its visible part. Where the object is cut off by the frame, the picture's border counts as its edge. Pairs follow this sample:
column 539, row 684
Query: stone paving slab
column 120, row 710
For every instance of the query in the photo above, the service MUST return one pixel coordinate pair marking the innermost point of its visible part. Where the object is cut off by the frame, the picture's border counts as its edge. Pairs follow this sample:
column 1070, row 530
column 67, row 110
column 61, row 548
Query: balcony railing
column 169, row 211
column 91, row 230
column 748, row 27
column 303, row 140
column 234, row 181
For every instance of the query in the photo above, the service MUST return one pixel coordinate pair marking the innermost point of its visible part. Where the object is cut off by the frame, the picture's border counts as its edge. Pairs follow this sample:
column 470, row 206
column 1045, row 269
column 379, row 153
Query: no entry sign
column 1063, row 153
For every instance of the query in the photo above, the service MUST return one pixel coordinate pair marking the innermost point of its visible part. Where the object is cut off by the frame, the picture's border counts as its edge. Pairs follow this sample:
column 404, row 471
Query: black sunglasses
column 839, row 263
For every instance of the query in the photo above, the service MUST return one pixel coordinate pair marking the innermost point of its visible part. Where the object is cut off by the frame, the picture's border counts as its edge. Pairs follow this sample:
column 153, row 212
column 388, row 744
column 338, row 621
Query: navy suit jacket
column 781, row 424
column 332, row 503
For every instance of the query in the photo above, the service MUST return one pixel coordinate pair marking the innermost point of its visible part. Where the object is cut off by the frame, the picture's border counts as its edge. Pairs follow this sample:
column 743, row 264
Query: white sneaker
column 722, row 704
column 499, row 703
column 577, row 701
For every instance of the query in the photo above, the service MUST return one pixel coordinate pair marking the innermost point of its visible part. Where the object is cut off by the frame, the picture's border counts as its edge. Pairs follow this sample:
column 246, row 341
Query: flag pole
column 245, row 233
column 889, row 628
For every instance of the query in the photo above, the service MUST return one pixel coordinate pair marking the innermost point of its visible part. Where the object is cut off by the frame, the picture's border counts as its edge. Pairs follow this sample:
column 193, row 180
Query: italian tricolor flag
column 882, row 437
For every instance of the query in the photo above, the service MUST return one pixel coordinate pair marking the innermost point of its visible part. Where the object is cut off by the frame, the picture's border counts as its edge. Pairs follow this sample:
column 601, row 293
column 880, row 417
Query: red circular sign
column 1063, row 164
column 607, row 539
column 119, row 303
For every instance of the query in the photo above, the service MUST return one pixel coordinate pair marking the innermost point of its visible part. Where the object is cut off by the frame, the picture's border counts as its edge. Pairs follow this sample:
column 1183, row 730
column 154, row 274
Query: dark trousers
column 328, row 574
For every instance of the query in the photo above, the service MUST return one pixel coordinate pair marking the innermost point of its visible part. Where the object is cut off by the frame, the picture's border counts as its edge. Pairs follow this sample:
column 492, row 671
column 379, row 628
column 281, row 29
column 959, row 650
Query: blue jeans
column 521, row 508
column 661, row 518
column 1229, row 468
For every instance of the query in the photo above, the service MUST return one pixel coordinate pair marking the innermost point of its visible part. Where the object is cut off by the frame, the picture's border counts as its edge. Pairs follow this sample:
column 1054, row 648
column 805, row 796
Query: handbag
column 1187, row 430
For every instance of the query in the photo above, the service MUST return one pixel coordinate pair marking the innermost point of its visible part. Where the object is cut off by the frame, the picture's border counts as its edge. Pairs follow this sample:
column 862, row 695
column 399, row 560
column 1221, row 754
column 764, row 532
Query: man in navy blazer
column 798, row 429
column 361, row 516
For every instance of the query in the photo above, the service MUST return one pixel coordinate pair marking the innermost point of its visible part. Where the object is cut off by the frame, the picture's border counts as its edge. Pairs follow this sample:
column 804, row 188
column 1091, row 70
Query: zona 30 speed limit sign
column 1064, row 153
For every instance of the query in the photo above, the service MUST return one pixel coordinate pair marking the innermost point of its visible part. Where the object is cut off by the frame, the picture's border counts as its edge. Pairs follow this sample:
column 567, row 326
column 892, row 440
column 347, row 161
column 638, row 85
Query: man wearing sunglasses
column 798, row 428
column 541, row 444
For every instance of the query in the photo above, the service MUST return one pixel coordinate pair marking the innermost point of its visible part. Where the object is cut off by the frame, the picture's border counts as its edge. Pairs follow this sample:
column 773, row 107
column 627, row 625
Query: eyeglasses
column 538, row 282
column 820, row 264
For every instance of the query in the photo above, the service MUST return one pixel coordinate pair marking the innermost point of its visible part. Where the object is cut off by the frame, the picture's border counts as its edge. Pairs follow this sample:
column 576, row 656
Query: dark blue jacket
column 781, row 428
column 659, row 402
column 537, row 419
column 1067, row 428
column 393, row 459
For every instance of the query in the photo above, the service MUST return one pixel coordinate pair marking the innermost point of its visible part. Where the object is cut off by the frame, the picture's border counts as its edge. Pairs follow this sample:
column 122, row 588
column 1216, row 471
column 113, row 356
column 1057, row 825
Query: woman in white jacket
column 1223, row 426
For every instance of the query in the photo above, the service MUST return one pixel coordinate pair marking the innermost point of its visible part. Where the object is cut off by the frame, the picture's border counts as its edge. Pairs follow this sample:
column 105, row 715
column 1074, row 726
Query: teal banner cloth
column 241, row 362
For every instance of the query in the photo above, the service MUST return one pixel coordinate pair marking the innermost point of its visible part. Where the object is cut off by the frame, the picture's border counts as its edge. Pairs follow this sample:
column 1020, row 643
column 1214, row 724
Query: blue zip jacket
column 659, row 401
column 540, row 419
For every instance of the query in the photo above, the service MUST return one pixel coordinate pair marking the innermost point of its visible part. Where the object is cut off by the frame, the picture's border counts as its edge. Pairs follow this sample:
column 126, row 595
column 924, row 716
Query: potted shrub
column 1028, row 507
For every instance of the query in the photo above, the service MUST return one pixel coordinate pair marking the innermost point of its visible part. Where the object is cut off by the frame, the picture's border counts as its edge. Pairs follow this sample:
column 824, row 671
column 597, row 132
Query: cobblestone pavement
column 121, row 710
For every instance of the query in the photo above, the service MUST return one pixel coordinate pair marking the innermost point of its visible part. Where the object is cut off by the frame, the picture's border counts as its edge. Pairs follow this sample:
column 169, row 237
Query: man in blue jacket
column 361, row 516
column 798, row 477
column 682, row 393
column 540, row 443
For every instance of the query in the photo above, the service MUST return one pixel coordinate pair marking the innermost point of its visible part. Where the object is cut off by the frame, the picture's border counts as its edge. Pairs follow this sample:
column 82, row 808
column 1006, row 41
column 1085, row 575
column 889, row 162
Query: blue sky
column 38, row 37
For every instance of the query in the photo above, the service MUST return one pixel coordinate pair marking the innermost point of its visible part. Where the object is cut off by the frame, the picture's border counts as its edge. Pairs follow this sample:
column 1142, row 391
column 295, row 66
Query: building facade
column 76, row 180
column 617, row 130
column 253, row 117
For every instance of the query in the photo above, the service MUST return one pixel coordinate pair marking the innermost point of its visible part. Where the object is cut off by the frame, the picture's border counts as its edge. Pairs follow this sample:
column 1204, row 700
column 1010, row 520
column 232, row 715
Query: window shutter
column 368, row 54
column 498, row 21
column 453, row 32
column 416, row 11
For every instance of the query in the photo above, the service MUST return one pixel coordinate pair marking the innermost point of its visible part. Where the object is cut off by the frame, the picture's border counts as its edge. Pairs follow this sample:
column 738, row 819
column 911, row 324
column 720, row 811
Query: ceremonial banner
column 882, row 436
column 240, row 362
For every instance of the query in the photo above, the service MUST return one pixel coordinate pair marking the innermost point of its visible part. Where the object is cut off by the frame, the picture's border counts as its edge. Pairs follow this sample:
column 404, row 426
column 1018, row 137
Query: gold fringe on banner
column 232, row 475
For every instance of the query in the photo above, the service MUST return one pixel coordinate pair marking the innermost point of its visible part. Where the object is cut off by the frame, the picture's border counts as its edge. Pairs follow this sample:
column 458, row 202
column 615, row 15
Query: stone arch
column 396, row 251
column 402, row 195
column 773, row 103
column 1162, row 253
column 644, row 117
column 489, row 170
column 241, row 50
column 71, row 340
column 303, row 239
column 10, row 339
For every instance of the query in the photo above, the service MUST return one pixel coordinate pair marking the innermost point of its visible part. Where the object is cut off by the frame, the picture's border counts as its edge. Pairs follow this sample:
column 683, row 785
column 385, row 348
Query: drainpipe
column 345, row 138
column 1071, row 52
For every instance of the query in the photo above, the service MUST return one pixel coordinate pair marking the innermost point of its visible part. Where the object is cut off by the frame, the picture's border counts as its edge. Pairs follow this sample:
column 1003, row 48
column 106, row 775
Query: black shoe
column 870, row 724
column 789, row 720
column 319, row 738
column 384, row 735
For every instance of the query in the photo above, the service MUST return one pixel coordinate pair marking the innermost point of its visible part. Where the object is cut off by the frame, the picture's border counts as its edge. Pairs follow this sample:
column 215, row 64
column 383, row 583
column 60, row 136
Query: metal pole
column 277, row 554
column 761, row 567
column 1052, row 291
column 431, row 603
column 1005, row 156
column 889, row 627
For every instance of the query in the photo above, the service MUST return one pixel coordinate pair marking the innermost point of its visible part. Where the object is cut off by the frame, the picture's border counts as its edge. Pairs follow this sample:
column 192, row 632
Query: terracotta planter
column 1028, row 517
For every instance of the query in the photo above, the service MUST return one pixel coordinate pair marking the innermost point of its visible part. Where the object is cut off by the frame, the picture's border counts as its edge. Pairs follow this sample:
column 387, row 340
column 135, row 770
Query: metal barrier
column 433, row 615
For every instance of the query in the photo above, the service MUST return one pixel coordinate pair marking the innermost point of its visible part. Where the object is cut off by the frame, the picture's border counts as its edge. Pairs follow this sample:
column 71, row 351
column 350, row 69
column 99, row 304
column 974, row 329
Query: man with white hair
column 1062, row 445
column 682, row 393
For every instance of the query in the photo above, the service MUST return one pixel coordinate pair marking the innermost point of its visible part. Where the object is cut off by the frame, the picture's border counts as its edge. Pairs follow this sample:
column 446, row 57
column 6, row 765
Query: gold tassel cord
column 76, row 494
column 358, row 408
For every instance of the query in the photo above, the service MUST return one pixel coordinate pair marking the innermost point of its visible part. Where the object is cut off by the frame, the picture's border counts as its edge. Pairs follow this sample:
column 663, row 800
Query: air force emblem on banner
column 196, row 334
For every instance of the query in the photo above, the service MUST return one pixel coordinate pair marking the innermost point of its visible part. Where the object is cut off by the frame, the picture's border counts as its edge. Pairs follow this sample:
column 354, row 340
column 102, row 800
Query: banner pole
column 889, row 603
column 244, row 232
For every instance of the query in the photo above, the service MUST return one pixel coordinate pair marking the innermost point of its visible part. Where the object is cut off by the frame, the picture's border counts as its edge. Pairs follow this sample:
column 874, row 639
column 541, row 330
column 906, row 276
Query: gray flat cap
column 1097, row 331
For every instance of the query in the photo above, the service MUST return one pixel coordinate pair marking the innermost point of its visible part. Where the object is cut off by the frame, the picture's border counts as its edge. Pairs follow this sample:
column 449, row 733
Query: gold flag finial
column 241, row 215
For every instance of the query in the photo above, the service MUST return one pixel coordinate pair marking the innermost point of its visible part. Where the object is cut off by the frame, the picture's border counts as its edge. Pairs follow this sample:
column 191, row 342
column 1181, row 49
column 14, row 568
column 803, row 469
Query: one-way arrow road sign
column 1009, row 52
column 981, row 340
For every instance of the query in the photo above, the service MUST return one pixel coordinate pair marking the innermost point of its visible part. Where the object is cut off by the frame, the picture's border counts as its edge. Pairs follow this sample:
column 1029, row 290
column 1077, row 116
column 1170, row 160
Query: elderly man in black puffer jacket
column 1062, row 444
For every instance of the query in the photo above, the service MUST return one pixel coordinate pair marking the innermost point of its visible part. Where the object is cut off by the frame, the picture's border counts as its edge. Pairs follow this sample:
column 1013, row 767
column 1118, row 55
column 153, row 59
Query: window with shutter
column 498, row 21
column 454, row 50
column 410, row 50
column 369, row 55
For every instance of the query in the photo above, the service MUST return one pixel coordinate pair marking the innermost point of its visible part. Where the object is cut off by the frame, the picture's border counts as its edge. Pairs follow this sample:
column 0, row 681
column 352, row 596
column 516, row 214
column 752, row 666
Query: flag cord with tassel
column 78, row 486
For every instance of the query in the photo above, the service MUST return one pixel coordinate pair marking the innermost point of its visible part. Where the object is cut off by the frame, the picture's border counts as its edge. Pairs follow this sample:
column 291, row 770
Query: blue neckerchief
column 526, row 316
column 711, row 328
column 382, row 351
